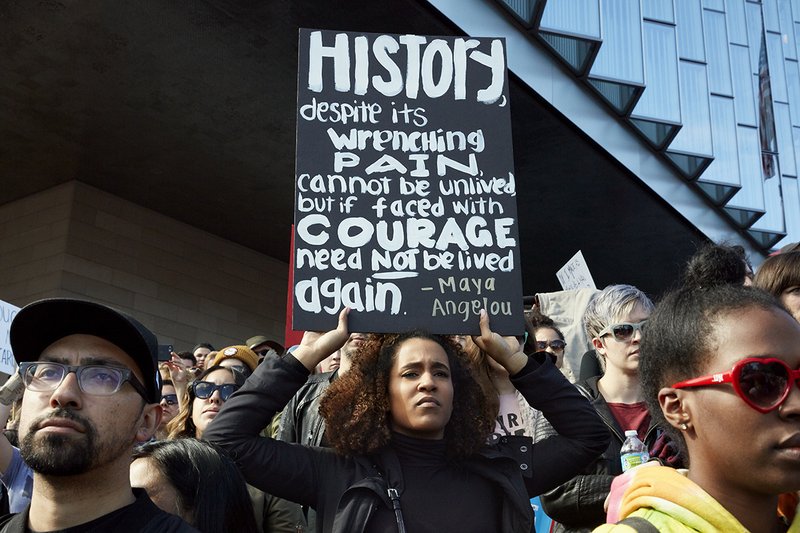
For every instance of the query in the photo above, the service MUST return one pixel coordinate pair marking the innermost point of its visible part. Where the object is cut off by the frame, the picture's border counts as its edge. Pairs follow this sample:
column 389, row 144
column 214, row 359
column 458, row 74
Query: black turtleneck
column 438, row 495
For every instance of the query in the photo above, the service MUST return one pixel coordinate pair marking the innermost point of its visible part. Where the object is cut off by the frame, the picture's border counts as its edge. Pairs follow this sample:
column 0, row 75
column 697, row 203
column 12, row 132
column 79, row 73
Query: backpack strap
column 640, row 525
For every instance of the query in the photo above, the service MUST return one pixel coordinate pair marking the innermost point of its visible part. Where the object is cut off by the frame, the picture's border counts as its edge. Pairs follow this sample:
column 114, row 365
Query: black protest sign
column 405, row 201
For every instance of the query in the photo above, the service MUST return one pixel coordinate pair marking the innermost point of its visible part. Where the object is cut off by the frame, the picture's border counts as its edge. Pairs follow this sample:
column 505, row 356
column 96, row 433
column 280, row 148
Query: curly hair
column 716, row 264
column 356, row 407
column 681, row 338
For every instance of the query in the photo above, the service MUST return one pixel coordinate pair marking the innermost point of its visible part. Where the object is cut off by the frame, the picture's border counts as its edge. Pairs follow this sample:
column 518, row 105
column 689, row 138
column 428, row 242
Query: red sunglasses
column 763, row 384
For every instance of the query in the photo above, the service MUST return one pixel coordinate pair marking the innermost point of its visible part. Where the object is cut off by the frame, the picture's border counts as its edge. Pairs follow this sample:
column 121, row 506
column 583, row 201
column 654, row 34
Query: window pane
column 689, row 17
column 695, row 136
column 620, row 55
column 661, row 97
column 575, row 17
column 725, row 167
column 783, row 129
column 658, row 10
column 743, row 85
column 737, row 27
column 776, row 72
column 751, row 195
column 719, row 68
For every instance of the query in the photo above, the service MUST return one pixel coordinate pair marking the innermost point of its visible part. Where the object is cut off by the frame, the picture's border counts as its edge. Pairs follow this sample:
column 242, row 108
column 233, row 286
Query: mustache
column 62, row 413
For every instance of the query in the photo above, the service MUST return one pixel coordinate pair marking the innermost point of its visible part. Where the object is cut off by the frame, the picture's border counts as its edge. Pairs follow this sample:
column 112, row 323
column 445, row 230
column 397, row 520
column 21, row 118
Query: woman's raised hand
column 505, row 350
column 316, row 346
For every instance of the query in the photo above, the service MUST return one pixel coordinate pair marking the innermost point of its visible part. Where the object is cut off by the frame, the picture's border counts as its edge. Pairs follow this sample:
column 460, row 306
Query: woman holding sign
column 408, row 426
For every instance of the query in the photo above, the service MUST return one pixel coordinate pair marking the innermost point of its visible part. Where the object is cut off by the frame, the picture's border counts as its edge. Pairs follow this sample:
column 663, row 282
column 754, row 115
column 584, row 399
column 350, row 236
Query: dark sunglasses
column 623, row 331
column 204, row 389
column 557, row 345
column 763, row 384
column 171, row 399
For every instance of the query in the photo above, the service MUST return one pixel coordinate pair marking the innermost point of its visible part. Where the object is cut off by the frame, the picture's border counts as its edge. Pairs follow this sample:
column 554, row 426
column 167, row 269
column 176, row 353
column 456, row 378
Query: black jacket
column 301, row 421
column 577, row 505
column 345, row 491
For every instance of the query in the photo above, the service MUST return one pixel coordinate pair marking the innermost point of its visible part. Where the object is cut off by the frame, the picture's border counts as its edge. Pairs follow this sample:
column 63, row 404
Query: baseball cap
column 252, row 342
column 41, row 323
column 242, row 353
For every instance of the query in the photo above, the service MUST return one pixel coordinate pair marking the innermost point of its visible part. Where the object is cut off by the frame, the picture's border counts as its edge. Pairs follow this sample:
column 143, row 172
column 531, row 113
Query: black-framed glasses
column 97, row 380
column 204, row 389
column 170, row 399
column 624, row 330
column 556, row 345
column 763, row 384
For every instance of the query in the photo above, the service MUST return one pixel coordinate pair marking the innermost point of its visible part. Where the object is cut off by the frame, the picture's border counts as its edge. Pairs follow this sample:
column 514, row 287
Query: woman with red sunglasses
column 719, row 370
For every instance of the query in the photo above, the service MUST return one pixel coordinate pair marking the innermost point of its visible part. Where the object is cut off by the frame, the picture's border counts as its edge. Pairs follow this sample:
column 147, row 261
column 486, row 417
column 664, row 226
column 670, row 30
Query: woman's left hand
column 505, row 350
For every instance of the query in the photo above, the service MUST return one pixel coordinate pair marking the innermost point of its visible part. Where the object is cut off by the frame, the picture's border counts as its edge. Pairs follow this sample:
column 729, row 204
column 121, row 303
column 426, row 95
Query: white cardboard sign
column 575, row 274
column 7, row 314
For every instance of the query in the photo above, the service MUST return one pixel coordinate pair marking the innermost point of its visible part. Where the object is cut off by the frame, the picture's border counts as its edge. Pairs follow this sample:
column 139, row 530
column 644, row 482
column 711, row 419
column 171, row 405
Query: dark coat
column 345, row 491
column 577, row 505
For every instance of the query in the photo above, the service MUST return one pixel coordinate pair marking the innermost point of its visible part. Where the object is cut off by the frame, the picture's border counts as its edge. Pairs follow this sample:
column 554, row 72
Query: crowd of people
column 418, row 432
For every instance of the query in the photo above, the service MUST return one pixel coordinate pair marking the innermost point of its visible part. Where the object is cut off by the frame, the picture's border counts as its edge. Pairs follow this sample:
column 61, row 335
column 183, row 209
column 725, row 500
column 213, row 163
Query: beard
column 67, row 455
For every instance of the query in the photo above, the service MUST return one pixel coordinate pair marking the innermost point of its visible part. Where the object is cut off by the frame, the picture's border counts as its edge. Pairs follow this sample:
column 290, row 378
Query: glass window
column 737, row 27
column 741, row 73
column 791, row 202
column 689, row 18
column 772, row 220
column 661, row 10
column 754, row 32
column 751, row 195
column 719, row 67
column 717, row 5
column 695, row 136
column 620, row 55
column 793, row 87
column 725, row 167
column 777, row 74
column 787, row 31
column 770, row 10
column 573, row 17
column 661, row 97
column 783, row 129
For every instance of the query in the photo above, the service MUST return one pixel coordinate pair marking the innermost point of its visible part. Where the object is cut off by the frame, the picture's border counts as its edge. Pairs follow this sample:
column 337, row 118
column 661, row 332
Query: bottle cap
column 631, row 433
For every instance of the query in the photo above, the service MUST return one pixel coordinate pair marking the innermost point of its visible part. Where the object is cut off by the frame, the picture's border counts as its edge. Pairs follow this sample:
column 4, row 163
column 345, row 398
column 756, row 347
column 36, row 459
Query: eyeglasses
column 97, row 380
column 170, row 399
column 763, row 384
column 556, row 345
column 204, row 389
column 624, row 330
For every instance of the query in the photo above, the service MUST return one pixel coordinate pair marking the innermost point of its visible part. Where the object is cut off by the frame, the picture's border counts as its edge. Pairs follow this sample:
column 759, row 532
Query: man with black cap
column 92, row 393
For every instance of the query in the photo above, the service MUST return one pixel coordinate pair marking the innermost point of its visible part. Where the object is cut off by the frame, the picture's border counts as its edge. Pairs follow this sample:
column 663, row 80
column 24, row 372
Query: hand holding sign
column 315, row 346
column 504, row 350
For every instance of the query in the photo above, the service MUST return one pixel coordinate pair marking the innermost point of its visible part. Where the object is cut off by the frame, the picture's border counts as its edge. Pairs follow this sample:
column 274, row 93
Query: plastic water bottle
column 633, row 451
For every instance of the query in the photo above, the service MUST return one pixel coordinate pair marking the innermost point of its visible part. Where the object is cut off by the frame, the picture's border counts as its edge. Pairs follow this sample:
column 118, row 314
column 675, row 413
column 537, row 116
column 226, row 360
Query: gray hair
column 609, row 305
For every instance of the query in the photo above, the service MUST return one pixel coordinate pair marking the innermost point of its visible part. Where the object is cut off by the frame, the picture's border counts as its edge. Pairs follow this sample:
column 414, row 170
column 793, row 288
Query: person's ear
column 148, row 422
column 598, row 345
column 676, row 411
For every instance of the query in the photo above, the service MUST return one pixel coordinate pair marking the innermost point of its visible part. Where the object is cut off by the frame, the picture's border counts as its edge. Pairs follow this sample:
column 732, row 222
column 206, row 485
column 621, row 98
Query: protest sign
column 7, row 314
column 405, row 195
column 575, row 274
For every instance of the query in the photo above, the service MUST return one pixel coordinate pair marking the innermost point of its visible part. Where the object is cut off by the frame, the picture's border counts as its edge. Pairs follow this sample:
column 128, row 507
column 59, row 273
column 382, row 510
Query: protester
column 206, row 396
column 169, row 407
column 719, row 371
column 241, row 356
column 718, row 264
column 91, row 395
column 779, row 275
column 263, row 346
column 409, row 425
column 301, row 421
column 614, row 320
column 194, row 480
column 201, row 352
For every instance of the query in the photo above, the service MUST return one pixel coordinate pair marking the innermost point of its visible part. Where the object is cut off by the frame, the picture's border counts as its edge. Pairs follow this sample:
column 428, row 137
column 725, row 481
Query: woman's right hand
column 316, row 346
column 178, row 372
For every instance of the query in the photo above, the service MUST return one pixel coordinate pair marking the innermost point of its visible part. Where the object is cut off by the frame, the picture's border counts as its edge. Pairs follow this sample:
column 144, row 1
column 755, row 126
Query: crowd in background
column 416, row 432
